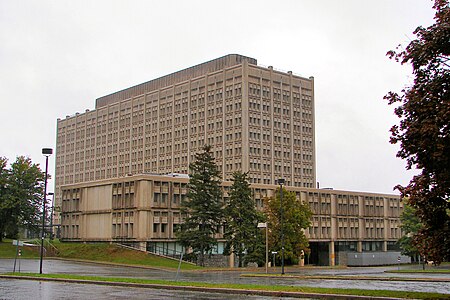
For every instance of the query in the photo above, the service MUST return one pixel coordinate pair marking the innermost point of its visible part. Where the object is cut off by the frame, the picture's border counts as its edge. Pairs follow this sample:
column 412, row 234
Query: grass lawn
column 8, row 250
column 101, row 252
column 275, row 288
column 443, row 268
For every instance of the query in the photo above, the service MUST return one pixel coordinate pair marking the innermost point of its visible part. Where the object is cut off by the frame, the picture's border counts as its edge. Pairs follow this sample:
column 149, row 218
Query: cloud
column 57, row 57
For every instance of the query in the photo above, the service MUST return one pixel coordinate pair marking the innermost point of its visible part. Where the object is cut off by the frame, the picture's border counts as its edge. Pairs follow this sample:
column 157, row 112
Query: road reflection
column 59, row 266
column 27, row 289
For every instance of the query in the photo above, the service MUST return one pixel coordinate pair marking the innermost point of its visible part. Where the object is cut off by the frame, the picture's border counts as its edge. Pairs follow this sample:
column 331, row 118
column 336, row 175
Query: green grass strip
column 273, row 288
column 434, row 271
column 8, row 250
column 97, row 252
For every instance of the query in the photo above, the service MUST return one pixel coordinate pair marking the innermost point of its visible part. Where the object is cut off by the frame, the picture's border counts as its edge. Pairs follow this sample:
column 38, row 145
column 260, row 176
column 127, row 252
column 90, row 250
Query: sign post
column 17, row 243
column 264, row 225
column 274, row 253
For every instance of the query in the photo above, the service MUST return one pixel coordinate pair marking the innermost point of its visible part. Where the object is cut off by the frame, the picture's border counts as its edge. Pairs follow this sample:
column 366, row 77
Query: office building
column 257, row 119
column 143, row 211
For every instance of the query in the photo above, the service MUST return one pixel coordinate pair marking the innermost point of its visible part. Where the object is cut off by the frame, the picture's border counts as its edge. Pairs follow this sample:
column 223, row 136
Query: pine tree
column 241, row 218
column 202, row 210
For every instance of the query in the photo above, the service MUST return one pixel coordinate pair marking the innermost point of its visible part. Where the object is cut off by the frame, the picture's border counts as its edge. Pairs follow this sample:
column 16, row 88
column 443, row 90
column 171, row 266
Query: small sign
column 262, row 225
column 398, row 258
column 17, row 243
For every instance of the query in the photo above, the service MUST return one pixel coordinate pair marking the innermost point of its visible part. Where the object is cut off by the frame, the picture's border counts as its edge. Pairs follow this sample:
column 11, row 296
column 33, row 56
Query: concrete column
column 143, row 246
column 272, row 160
column 384, row 246
column 361, row 223
column 333, row 213
column 386, row 224
column 245, row 117
column 84, row 207
column 231, row 260
column 301, row 262
column 331, row 253
column 313, row 114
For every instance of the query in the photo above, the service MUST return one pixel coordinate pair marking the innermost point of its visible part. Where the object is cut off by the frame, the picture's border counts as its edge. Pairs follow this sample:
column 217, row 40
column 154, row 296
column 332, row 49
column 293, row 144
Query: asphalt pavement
column 73, row 267
column 29, row 289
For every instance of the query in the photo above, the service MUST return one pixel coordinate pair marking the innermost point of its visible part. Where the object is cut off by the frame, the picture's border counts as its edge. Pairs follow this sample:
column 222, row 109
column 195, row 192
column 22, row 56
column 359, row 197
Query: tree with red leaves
column 423, row 132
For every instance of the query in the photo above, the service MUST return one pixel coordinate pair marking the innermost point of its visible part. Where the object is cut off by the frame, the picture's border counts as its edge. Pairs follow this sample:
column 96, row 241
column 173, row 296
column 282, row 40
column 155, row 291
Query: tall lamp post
column 51, row 215
column 281, row 182
column 47, row 152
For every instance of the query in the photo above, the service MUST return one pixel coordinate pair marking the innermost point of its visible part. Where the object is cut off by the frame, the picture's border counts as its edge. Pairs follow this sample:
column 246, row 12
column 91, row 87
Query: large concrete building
column 143, row 211
column 257, row 120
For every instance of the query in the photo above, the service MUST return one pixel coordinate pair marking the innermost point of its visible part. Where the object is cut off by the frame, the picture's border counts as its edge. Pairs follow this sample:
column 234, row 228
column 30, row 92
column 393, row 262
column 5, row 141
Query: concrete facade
column 143, row 210
column 376, row 259
column 257, row 120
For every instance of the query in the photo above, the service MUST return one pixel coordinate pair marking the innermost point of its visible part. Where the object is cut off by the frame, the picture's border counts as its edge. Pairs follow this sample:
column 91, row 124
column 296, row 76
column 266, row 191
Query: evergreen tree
column 242, row 219
column 256, row 251
column 202, row 210
column 296, row 218
column 21, row 194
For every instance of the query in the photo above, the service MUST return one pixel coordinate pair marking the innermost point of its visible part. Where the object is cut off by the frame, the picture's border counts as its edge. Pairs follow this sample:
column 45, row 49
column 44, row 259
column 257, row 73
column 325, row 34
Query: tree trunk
column 202, row 263
column 202, row 256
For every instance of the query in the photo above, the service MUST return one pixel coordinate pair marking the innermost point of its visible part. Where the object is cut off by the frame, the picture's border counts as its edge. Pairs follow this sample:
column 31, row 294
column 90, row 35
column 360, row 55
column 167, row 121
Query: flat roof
column 182, row 75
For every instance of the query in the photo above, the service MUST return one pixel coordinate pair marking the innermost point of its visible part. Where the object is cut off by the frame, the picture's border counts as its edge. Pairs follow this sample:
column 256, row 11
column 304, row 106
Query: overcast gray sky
column 57, row 57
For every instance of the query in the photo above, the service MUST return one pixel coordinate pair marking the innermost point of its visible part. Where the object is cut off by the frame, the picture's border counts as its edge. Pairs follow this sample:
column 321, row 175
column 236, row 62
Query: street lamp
column 47, row 152
column 51, row 215
column 281, row 182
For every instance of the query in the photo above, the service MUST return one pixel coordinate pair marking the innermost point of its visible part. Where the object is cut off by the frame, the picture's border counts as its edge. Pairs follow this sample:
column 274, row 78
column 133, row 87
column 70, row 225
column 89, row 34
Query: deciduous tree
column 423, row 132
column 202, row 210
column 21, row 194
column 410, row 226
column 296, row 218
column 4, row 196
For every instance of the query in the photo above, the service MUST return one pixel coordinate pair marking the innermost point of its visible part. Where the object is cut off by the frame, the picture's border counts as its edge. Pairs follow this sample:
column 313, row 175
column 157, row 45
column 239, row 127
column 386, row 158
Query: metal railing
column 170, row 253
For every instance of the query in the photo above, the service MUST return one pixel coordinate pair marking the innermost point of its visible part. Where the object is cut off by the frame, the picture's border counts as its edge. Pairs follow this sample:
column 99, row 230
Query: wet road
column 57, row 266
column 28, row 289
